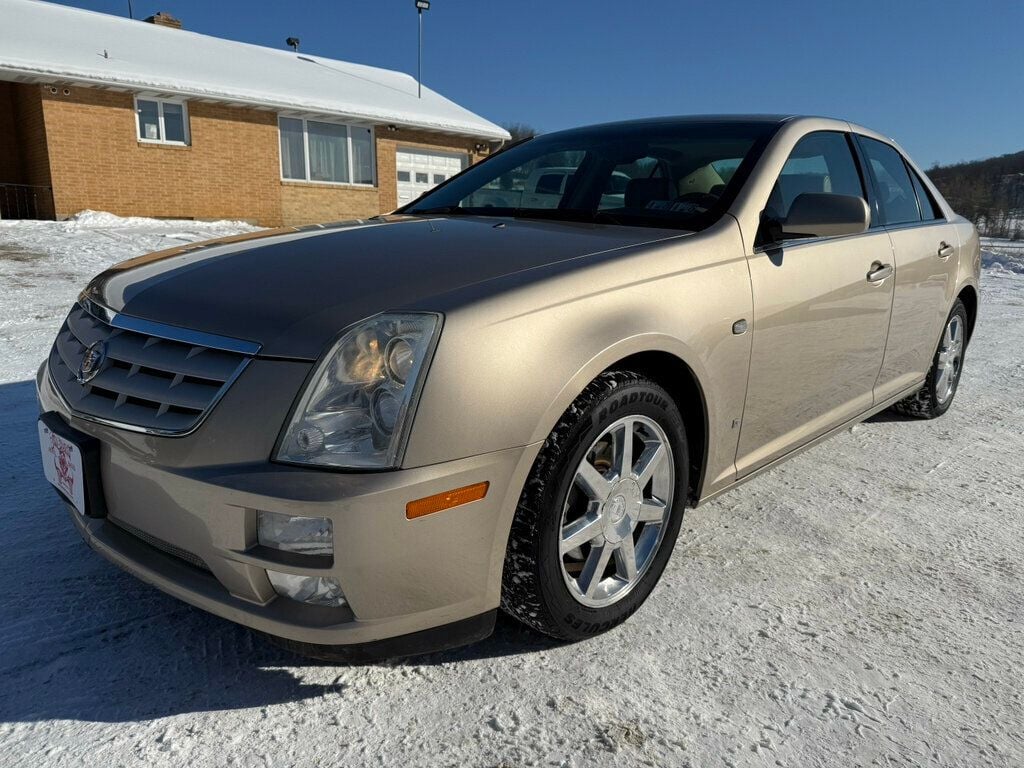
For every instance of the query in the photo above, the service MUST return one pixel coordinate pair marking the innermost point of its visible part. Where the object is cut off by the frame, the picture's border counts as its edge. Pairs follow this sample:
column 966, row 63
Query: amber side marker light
column 442, row 501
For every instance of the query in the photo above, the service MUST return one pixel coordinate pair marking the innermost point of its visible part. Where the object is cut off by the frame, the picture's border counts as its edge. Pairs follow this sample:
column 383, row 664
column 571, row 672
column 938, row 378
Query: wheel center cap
column 622, row 510
column 617, row 509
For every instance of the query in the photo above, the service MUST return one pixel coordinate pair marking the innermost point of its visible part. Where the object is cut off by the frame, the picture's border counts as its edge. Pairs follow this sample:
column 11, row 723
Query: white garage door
column 420, row 170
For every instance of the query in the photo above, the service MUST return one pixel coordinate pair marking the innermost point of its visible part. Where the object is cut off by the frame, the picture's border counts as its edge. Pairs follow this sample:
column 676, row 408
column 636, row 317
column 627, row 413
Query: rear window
column 897, row 199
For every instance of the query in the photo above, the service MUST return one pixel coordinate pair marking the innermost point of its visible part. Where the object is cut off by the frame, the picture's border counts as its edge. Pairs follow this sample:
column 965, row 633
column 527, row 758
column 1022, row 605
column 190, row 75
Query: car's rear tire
column 935, row 397
column 589, row 540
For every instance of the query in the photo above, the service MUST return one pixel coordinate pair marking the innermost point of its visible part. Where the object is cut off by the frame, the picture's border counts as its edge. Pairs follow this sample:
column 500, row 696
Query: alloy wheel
column 616, row 511
column 951, row 350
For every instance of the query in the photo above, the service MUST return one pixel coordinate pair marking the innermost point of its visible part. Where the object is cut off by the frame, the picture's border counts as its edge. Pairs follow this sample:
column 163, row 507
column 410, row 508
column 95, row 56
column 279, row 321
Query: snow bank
column 1003, row 254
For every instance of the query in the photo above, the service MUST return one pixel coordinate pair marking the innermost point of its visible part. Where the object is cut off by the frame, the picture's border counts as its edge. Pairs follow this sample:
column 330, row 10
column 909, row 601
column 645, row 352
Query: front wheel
column 600, row 511
column 935, row 397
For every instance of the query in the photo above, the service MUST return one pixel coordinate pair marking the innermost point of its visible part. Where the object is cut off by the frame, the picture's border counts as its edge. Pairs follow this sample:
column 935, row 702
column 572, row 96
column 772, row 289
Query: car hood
column 292, row 290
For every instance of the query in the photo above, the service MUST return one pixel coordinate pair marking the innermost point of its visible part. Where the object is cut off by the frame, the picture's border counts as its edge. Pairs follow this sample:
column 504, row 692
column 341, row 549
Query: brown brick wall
column 389, row 141
column 307, row 203
column 228, row 172
column 231, row 170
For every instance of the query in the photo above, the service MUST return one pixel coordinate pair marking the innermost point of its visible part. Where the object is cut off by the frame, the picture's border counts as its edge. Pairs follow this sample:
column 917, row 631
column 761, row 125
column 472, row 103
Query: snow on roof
column 43, row 40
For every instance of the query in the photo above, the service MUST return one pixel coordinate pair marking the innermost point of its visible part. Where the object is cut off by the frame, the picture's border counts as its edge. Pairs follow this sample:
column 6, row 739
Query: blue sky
column 944, row 77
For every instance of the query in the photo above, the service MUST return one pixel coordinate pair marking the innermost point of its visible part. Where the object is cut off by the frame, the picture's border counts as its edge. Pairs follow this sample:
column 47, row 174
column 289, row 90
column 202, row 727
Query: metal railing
column 25, row 201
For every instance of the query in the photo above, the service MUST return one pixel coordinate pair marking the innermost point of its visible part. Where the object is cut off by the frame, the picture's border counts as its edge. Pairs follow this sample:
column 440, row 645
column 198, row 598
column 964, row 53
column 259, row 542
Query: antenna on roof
column 130, row 16
column 293, row 43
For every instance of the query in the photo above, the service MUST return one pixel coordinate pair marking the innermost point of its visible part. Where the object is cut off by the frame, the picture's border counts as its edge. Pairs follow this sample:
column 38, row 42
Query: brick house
column 148, row 119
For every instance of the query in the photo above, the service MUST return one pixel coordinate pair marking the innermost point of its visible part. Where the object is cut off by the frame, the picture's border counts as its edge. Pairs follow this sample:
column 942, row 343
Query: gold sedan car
column 365, row 438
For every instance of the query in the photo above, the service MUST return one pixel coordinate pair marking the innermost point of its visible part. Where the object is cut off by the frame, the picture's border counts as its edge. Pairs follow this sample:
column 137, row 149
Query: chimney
column 164, row 20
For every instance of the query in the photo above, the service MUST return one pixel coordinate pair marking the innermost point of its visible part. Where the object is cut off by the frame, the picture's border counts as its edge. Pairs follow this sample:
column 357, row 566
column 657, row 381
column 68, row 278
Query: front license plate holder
column 92, row 500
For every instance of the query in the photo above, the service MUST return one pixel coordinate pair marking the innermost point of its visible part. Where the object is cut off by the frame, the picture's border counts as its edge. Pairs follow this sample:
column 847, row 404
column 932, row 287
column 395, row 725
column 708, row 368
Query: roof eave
column 43, row 76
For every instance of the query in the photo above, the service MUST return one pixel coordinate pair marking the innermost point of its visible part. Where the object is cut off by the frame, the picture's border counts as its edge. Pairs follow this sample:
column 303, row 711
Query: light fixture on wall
column 479, row 146
column 391, row 128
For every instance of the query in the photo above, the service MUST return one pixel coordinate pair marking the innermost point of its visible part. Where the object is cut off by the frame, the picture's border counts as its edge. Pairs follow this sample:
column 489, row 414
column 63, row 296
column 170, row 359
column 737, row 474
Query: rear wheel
column 935, row 397
column 600, row 512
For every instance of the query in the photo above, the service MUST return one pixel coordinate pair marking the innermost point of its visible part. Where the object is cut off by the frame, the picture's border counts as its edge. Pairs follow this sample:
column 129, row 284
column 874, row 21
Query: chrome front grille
column 151, row 378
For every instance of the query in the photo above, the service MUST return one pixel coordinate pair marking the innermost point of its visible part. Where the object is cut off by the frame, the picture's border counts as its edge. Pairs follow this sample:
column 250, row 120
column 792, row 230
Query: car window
column 648, row 173
column 929, row 208
column 821, row 162
column 897, row 199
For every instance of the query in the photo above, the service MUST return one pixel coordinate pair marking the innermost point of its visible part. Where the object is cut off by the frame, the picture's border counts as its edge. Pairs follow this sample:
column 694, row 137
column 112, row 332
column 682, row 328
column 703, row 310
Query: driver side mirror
column 819, row 214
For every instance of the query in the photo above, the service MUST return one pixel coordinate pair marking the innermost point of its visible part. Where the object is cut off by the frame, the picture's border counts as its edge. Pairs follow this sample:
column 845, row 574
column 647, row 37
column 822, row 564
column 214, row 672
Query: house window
column 326, row 152
column 161, row 121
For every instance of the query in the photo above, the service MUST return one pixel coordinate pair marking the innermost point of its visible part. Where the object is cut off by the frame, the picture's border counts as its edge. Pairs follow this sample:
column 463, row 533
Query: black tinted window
column 929, row 208
column 821, row 162
column 896, row 196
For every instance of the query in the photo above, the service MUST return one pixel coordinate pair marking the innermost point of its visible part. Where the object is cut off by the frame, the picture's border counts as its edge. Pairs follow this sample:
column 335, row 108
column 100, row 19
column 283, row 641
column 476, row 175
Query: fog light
column 305, row 535
column 318, row 590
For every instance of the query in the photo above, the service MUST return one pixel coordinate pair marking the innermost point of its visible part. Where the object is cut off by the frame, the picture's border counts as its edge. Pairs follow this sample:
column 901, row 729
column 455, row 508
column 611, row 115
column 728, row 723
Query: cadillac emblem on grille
column 92, row 361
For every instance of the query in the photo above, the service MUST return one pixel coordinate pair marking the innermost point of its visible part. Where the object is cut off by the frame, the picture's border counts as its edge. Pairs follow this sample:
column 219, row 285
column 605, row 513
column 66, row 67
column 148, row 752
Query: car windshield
column 663, row 174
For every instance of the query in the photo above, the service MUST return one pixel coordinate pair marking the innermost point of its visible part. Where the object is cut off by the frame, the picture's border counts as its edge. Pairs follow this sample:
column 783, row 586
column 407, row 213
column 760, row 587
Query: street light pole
column 421, row 6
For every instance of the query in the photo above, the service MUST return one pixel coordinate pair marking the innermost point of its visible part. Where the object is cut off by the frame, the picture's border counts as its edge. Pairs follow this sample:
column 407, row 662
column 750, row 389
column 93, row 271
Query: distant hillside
column 988, row 192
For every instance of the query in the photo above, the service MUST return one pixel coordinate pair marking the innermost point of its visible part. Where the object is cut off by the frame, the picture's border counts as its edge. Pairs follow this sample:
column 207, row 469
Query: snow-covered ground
column 861, row 605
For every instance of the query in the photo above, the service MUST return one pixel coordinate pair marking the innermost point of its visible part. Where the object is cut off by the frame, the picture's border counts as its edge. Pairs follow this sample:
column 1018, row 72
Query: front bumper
column 188, row 527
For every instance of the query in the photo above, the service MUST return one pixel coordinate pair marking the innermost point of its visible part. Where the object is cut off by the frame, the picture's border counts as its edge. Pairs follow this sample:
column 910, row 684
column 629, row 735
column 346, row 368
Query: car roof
column 670, row 120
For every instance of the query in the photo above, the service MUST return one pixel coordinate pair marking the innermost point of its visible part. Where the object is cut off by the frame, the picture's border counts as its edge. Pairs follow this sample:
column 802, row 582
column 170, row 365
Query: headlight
column 354, row 411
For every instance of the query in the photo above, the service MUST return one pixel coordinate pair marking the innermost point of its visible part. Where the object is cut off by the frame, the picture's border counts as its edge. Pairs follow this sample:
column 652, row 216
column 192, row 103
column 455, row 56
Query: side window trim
column 919, row 186
column 869, row 182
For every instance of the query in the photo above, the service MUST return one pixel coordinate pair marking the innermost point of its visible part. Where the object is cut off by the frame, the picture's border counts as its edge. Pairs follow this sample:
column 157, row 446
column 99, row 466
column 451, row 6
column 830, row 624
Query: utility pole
column 421, row 6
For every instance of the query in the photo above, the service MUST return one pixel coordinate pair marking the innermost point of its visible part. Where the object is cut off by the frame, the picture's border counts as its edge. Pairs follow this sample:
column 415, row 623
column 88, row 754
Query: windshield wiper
column 454, row 210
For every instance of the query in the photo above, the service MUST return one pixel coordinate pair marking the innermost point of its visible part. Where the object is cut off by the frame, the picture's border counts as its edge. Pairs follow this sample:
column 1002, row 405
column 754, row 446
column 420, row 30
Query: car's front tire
column 936, row 396
column 600, row 511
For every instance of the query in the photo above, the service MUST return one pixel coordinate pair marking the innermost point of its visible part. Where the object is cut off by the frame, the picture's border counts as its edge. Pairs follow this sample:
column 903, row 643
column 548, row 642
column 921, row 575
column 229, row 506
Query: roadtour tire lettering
column 533, row 589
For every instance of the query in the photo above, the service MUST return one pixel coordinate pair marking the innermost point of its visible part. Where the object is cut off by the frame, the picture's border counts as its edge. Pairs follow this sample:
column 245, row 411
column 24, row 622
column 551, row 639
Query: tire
column 935, row 397
column 565, row 592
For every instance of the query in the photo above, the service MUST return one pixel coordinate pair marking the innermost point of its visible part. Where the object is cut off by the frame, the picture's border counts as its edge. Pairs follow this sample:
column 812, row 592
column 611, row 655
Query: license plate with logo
column 62, row 465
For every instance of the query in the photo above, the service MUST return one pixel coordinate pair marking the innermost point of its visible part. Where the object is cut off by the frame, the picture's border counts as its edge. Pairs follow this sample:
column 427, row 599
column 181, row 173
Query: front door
column 819, row 325
column 419, row 171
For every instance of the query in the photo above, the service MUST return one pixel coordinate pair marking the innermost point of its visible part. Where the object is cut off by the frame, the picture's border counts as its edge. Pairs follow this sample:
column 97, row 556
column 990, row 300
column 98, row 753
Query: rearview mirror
column 818, row 214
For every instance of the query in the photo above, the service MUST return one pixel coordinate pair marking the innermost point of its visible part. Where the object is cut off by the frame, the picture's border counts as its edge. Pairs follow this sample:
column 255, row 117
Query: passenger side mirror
column 820, row 214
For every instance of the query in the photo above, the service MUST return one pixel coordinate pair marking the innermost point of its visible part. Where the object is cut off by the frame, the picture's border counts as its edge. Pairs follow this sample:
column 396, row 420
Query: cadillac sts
column 364, row 439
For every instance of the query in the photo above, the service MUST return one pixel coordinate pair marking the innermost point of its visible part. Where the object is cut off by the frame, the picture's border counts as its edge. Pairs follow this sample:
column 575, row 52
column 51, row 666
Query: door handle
column 879, row 272
column 945, row 250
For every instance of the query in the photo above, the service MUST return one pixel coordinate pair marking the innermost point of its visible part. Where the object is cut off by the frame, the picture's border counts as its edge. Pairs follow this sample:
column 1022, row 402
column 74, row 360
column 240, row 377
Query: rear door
column 926, row 248
column 819, row 324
